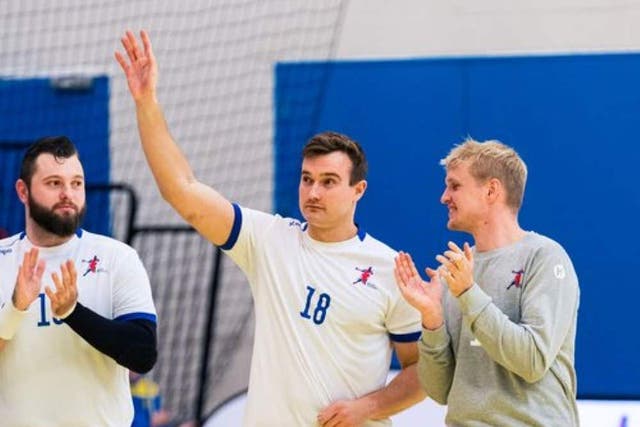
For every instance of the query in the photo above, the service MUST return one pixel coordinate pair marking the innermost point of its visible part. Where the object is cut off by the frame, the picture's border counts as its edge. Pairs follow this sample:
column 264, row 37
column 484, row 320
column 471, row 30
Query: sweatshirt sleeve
column 548, row 309
column 436, row 363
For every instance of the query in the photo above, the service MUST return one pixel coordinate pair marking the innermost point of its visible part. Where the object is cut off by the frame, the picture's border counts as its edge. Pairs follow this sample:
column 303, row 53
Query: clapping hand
column 425, row 296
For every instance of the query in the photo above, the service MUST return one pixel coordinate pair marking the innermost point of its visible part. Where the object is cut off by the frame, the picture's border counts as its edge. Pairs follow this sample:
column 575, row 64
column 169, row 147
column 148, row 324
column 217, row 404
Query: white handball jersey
column 326, row 314
column 49, row 375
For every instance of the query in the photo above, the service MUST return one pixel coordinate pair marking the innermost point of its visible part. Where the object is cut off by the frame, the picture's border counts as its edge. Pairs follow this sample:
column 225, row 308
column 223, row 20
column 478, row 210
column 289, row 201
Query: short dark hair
column 60, row 147
column 328, row 142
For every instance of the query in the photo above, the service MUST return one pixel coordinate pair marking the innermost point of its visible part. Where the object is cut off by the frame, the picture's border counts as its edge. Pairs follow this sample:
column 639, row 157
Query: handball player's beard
column 62, row 226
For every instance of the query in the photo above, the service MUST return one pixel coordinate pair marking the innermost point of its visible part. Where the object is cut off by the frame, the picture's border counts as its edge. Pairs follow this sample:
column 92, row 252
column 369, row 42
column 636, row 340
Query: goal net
column 216, row 67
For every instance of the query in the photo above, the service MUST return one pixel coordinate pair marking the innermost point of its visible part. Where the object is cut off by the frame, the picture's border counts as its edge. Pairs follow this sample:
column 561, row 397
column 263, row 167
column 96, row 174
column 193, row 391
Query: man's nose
column 65, row 191
column 444, row 198
column 315, row 191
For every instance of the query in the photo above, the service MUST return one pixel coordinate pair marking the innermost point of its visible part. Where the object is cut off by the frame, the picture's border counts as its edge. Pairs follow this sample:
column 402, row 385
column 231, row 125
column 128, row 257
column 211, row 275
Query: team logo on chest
column 93, row 266
column 365, row 275
column 517, row 279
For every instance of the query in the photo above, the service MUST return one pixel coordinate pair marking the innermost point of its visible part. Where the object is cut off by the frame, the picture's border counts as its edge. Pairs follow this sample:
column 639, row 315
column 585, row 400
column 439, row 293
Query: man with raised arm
column 328, row 312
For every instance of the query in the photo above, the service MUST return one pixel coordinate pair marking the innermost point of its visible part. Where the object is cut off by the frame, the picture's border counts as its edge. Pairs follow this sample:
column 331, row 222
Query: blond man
column 499, row 318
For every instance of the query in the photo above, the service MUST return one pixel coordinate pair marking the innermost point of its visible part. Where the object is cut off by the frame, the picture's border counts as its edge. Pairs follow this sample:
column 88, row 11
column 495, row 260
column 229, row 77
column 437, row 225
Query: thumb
column 433, row 274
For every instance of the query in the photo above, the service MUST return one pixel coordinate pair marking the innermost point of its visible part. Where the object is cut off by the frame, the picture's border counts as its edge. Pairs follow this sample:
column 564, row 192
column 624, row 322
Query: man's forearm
column 401, row 393
column 131, row 343
column 169, row 166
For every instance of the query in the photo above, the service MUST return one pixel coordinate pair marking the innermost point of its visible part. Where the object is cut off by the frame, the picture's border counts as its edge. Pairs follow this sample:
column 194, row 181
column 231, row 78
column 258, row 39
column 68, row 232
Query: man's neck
column 498, row 232
column 43, row 238
column 332, row 235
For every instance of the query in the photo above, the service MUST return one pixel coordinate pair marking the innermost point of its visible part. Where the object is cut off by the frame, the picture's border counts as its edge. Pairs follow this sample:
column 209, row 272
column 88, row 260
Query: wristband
column 10, row 319
column 68, row 313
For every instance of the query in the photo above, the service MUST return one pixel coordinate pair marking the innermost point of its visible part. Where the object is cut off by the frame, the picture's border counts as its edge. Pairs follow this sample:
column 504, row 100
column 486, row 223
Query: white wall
column 418, row 28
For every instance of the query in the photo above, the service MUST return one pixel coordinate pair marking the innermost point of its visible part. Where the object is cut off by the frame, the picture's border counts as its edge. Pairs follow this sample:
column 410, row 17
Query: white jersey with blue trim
column 326, row 316
column 49, row 375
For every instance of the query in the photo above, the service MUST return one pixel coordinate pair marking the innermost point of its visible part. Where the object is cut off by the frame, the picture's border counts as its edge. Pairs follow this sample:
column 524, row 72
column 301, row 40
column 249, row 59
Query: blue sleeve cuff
column 410, row 337
column 235, row 229
column 132, row 316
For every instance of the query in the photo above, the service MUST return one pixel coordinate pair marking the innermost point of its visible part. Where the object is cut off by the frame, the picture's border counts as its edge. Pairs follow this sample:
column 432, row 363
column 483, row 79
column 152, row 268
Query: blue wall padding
column 32, row 108
column 572, row 118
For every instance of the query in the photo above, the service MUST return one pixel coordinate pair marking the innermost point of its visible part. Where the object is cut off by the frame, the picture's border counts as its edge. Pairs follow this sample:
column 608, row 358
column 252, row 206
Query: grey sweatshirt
column 505, row 356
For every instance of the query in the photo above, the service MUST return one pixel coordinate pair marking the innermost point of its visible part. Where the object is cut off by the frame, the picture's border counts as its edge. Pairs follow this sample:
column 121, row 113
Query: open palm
column 425, row 296
column 140, row 68
column 28, row 282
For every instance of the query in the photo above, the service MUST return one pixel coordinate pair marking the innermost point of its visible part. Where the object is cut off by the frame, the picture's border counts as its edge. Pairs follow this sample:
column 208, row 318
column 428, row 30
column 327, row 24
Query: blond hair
column 492, row 159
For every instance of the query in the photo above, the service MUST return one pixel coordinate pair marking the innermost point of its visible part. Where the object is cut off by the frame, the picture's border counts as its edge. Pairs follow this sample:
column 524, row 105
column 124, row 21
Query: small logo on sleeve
column 559, row 271
column 517, row 279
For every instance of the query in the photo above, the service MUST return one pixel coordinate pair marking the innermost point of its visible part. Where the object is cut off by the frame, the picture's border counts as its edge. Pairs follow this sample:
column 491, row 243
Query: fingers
column 135, row 49
column 408, row 264
column 59, row 285
column 468, row 252
column 325, row 416
column 146, row 42
column 64, row 269
column 130, row 46
column 30, row 260
column 123, row 63
column 445, row 262
column 52, row 296
column 127, row 47
column 433, row 274
column 454, row 247
column 455, row 257
column 405, row 268
column 65, row 286
column 412, row 266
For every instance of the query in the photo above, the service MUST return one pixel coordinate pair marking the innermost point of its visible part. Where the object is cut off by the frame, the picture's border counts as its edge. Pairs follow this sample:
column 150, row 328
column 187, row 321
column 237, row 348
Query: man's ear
column 494, row 190
column 360, row 189
column 23, row 191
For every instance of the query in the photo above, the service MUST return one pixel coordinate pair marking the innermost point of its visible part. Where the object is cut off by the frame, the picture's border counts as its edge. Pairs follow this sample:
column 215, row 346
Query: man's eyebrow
column 322, row 175
column 56, row 176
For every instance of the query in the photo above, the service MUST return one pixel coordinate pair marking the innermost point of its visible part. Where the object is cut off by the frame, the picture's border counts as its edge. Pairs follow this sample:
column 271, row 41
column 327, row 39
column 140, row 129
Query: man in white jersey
column 75, row 307
column 498, row 346
column 328, row 312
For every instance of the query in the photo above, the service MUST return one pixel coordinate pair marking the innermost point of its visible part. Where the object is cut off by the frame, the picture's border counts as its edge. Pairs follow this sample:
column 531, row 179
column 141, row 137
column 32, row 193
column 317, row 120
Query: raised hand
column 141, row 68
column 457, row 268
column 425, row 296
column 29, row 280
column 64, row 299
